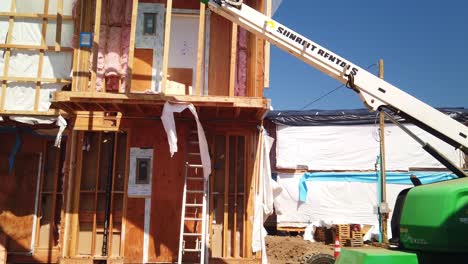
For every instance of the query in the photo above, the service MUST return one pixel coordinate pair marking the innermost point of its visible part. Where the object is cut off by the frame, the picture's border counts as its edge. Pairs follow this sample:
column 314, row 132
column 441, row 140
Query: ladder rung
column 194, row 205
column 192, row 250
column 194, row 154
column 194, row 191
column 192, row 234
column 195, row 178
column 195, row 165
column 193, row 219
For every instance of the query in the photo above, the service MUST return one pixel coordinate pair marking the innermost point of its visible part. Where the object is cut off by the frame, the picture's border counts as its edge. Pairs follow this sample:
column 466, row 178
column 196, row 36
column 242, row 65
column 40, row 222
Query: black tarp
column 345, row 117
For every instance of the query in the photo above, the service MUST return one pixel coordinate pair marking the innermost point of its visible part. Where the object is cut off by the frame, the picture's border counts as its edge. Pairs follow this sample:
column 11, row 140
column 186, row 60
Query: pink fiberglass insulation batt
column 241, row 71
column 114, row 42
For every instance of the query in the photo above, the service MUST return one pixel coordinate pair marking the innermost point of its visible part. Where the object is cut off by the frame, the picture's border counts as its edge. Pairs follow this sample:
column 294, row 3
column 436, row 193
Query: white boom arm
column 373, row 91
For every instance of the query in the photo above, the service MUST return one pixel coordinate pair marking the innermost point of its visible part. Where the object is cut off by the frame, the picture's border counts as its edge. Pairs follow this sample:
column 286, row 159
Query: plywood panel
column 142, row 67
column 17, row 209
column 220, row 50
column 179, row 81
column 134, row 230
column 168, row 179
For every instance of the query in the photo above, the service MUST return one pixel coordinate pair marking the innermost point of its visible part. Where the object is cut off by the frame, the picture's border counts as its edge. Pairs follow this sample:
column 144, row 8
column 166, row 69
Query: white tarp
column 20, row 96
column 264, row 199
column 167, row 118
column 329, row 201
column 355, row 148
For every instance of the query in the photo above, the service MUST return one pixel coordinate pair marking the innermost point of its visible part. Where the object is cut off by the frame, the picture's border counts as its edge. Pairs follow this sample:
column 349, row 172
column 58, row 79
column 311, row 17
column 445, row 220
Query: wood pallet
column 344, row 234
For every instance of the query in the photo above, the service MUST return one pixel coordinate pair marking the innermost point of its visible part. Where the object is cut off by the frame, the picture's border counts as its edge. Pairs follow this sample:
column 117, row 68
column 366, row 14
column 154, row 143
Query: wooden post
column 167, row 40
column 58, row 31
column 97, row 31
column 384, row 215
column 201, row 49
column 7, row 54
column 266, row 80
column 131, row 49
column 41, row 56
column 232, row 69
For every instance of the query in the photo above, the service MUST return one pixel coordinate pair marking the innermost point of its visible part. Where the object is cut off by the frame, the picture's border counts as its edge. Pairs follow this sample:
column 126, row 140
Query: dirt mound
column 293, row 249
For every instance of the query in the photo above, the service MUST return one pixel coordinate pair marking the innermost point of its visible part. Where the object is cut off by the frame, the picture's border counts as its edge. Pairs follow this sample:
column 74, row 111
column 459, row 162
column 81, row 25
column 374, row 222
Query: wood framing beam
column 34, row 16
column 41, row 56
column 32, row 79
column 97, row 31
column 167, row 40
column 58, row 31
column 232, row 67
column 226, row 198
column 75, row 190
column 51, row 112
column 131, row 49
column 201, row 49
column 6, row 56
column 33, row 47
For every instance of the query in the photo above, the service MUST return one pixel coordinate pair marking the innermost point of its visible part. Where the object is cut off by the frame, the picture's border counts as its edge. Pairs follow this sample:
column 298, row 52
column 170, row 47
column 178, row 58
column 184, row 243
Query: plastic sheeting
column 329, row 201
column 355, row 147
column 370, row 177
column 170, row 128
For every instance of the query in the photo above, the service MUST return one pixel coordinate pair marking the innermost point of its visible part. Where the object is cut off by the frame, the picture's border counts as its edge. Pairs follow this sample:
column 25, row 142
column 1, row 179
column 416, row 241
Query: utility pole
column 383, row 209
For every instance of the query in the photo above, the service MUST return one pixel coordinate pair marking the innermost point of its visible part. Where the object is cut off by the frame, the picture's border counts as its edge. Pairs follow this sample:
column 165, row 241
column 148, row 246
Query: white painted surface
column 146, row 229
column 134, row 189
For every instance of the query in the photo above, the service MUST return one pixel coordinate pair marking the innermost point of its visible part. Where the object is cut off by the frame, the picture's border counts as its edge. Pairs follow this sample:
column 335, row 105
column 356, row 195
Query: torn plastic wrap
column 171, row 132
column 62, row 124
column 268, row 189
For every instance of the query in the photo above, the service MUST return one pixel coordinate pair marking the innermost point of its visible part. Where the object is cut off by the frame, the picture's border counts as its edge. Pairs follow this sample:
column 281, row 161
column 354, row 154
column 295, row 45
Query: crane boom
column 374, row 92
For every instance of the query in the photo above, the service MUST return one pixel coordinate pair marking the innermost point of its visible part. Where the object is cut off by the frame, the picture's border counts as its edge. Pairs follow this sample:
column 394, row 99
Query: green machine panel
column 435, row 217
column 375, row 256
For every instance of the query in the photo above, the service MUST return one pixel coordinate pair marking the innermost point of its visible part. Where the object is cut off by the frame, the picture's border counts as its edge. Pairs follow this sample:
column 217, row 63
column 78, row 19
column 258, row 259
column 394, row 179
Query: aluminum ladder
column 192, row 241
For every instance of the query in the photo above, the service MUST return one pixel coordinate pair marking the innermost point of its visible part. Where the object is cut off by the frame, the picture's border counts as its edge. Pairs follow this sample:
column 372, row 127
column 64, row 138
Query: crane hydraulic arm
column 374, row 92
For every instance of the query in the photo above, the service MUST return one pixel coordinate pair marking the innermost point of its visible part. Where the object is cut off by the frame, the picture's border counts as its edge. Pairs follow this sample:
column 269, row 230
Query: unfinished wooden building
column 110, row 191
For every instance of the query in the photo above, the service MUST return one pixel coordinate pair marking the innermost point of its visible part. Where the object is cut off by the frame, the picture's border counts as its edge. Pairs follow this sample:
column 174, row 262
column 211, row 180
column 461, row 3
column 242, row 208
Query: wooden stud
column 76, row 196
column 7, row 55
column 124, row 206
column 232, row 68
column 266, row 80
column 98, row 167
column 111, row 211
column 41, row 56
column 167, row 36
column 97, row 31
column 131, row 50
column 58, row 31
column 68, row 187
column 234, row 226
column 54, row 199
column 226, row 198
column 201, row 49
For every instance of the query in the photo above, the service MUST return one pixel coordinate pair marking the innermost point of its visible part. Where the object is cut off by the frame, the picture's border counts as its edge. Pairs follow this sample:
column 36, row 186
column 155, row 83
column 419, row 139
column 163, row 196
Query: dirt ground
column 293, row 249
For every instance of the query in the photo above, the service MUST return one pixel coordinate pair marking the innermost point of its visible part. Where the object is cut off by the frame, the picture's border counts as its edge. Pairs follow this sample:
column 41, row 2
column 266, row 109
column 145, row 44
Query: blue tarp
column 370, row 177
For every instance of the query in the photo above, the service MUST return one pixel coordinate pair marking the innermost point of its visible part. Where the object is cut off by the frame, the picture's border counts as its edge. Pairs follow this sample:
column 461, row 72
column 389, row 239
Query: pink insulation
column 114, row 42
column 241, row 71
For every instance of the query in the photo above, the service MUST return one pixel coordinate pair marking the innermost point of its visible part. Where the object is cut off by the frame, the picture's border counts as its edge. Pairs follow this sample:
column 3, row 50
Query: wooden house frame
column 76, row 183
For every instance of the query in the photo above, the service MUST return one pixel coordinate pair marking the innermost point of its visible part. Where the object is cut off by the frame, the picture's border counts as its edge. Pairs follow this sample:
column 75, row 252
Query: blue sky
column 424, row 45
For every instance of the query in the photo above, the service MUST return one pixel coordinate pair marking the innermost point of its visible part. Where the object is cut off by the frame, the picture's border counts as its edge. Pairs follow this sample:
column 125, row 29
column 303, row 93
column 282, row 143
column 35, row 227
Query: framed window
column 149, row 23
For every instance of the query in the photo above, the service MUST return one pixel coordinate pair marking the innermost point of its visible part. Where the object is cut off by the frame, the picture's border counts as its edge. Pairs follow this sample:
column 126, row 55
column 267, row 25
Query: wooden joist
column 233, row 65
column 97, row 31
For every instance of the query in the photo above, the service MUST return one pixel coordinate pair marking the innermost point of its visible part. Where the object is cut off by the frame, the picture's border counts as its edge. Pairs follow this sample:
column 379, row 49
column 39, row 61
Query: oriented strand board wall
column 166, row 200
column 220, row 52
column 18, row 190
